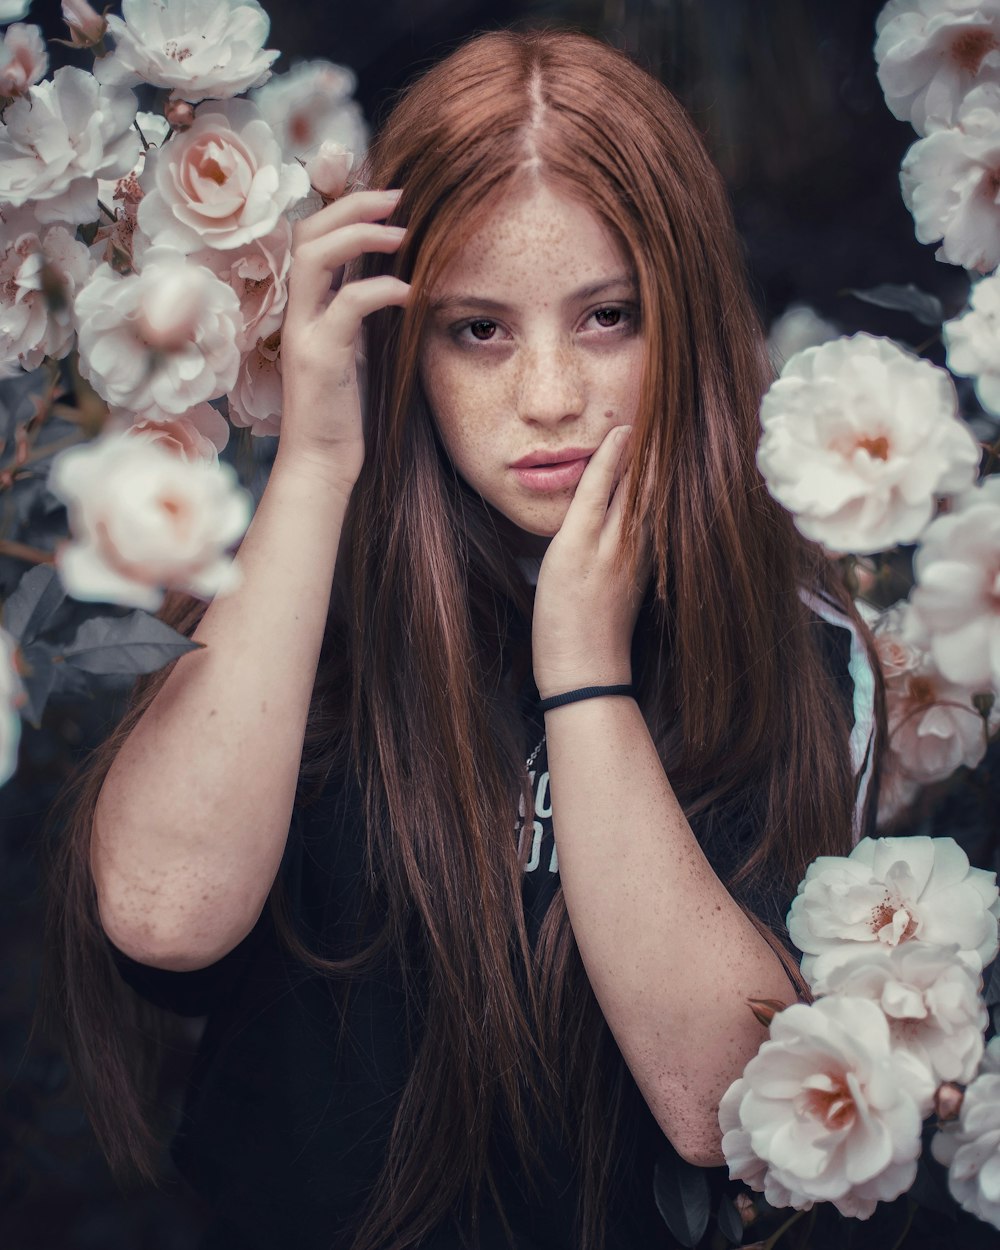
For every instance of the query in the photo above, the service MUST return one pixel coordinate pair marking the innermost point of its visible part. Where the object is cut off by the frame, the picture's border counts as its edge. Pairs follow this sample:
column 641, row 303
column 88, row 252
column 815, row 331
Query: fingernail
column 394, row 194
column 623, row 432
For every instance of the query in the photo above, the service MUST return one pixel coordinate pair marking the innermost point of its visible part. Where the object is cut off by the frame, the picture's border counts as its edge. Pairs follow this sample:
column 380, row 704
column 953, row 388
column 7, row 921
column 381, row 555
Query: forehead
column 536, row 239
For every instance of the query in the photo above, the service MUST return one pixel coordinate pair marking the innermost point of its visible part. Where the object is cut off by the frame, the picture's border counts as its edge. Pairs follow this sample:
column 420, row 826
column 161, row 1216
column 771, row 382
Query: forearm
column 193, row 816
column 670, row 955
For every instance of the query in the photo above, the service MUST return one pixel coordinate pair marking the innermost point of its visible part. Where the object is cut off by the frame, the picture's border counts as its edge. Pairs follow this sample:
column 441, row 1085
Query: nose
column 551, row 385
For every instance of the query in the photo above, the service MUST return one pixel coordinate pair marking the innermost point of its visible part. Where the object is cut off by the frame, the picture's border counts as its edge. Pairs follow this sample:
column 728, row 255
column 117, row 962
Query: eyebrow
column 450, row 302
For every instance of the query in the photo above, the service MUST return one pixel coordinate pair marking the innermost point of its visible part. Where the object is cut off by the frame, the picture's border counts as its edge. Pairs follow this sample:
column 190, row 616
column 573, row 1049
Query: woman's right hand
column 321, row 423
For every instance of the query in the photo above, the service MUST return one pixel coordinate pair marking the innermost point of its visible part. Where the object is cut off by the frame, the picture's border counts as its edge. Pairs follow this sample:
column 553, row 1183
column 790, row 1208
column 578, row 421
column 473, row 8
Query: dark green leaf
column 38, row 681
column 909, row 299
column 136, row 643
column 33, row 602
column 682, row 1197
column 729, row 1222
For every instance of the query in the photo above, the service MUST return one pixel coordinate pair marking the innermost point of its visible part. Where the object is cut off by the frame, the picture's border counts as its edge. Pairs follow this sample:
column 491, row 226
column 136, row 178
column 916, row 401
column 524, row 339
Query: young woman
column 430, row 1021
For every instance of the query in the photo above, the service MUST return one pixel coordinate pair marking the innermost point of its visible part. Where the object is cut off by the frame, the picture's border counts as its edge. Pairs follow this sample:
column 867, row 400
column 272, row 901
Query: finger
column 358, row 206
column 317, row 262
column 589, row 506
column 356, row 300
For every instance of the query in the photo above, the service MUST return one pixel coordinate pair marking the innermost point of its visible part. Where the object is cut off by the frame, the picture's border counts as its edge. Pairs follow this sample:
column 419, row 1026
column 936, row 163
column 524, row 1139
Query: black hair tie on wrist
column 585, row 692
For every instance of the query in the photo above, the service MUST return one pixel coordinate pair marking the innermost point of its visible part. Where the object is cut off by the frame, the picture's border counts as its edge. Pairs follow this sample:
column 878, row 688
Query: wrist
column 551, row 685
column 315, row 471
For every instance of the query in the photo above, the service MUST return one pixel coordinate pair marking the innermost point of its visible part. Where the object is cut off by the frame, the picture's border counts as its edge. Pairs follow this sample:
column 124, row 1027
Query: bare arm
column 193, row 816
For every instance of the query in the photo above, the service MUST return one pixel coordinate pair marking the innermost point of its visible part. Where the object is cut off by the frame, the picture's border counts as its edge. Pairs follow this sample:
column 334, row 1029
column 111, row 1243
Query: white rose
column 955, row 600
column 973, row 342
column 743, row 1164
column 13, row 10
column 56, row 141
column 203, row 49
column 24, row 59
column 255, row 400
column 798, row 327
column 219, row 184
column 199, row 434
column 143, row 519
column 41, row 269
column 930, row 999
column 934, row 727
column 832, row 1111
column 969, row 1147
column 889, row 891
column 930, row 55
column 258, row 273
column 165, row 337
column 949, row 183
column 312, row 103
column 12, row 697
column 858, row 438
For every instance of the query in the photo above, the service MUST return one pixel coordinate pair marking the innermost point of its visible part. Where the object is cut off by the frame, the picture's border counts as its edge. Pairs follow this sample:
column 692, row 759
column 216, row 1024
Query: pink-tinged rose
column 86, row 26
column 255, row 401
column 930, row 999
column 24, row 59
column 969, row 1147
column 890, row 891
column 190, row 359
column 310, row 104
column 973, row 342
column 41, row 269
column 955, row 601
column 199, row 434
column 931, row 55
column 950, row 182
column 202, row 49
column 220, row 184
column 328, row 168
column 859, row 438
column 828, row 1108
column 12, row 697
column 144, row 519
column 56, row 141
column 258, row 273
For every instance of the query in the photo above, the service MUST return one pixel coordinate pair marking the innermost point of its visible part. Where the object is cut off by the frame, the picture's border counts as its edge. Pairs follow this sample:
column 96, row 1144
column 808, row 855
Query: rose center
column 894, row 918
column 300, row 129
column 921, row 690
column 877, row 448
column 213, row 170
column 833, row 1106
column 968, row 49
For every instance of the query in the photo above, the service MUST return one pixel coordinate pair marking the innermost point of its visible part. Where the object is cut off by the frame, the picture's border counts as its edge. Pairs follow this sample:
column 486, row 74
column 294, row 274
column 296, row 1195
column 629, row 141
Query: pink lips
column 551, row 477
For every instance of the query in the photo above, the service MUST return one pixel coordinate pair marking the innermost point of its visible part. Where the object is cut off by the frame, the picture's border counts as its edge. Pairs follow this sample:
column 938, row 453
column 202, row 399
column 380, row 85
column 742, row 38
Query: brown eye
column 483, row 330
column 608, row 316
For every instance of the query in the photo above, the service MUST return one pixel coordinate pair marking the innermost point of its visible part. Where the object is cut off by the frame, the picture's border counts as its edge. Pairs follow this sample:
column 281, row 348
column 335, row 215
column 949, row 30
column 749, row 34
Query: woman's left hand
column 585, row 613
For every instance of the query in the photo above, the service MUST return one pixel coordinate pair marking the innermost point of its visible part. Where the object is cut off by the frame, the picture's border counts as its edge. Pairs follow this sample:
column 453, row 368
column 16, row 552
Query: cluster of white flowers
column 894, row 937
column 175, row 303
column 863, row 441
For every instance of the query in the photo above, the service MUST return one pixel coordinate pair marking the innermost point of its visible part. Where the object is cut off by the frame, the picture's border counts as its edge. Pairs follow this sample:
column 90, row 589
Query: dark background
column 786, row 94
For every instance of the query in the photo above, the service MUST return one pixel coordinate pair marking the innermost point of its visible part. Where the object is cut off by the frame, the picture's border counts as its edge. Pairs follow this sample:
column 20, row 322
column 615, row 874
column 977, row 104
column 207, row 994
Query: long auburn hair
column 429, row 635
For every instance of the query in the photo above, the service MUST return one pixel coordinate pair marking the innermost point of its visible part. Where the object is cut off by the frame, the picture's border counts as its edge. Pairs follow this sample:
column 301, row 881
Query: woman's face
column 532, row 348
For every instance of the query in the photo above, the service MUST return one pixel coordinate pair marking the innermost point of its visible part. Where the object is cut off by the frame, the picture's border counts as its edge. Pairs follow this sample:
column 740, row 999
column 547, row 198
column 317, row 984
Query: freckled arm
column 670, row 955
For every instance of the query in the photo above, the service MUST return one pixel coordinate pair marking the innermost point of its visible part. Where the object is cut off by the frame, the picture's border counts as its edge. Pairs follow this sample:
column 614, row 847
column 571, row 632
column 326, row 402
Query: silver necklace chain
column 534, row 754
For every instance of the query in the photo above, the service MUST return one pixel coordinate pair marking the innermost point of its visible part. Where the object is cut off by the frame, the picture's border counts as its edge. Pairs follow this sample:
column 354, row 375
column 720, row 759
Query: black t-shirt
column 284, row 1132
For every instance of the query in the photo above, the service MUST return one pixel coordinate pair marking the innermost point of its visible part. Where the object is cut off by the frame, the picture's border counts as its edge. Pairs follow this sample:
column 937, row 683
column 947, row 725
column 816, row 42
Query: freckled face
column 532, row 346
